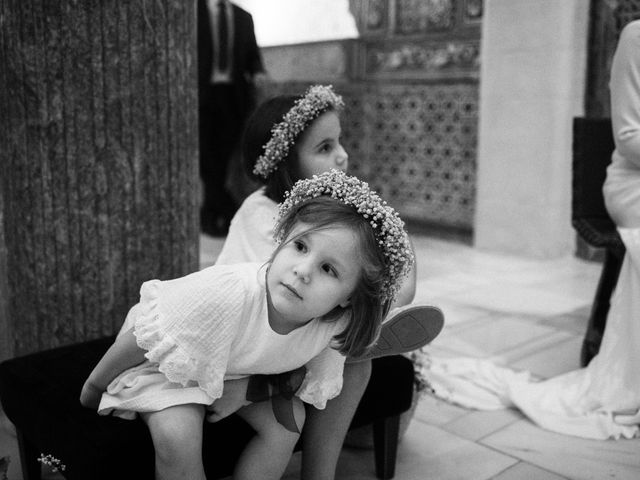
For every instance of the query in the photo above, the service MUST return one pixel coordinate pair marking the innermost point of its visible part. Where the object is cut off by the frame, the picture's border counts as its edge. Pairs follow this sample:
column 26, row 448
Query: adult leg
column 325, row 430
column 177, row 438
column 267, row 455
column 220, row 130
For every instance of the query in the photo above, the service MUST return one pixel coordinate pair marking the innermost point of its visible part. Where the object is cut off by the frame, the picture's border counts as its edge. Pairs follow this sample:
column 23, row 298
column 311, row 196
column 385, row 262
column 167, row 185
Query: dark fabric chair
column 39, row 394
column 592, row 148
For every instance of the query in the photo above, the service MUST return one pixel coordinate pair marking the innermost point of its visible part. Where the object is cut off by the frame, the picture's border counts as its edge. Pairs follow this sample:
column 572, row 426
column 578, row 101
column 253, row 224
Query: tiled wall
column 411, row 87
column 415, row 145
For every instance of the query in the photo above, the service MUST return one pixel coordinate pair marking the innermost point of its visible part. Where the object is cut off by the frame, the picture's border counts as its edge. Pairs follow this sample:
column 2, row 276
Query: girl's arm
column 123, row 354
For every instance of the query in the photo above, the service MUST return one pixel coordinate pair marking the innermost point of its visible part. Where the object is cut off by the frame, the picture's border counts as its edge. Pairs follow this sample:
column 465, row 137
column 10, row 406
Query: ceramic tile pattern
column 524, row 313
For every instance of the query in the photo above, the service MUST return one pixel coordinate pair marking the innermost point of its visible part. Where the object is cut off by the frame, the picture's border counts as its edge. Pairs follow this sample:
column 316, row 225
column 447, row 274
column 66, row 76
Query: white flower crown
column 317, row 100
column 387, row 225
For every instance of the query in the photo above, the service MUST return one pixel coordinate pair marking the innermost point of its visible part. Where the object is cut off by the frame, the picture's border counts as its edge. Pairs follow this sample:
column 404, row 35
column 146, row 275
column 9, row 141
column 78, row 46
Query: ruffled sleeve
column 323, row 380
column 187, row 325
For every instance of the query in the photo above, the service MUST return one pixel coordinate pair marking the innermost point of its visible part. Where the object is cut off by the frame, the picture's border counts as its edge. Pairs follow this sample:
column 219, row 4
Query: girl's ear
column 346, row 303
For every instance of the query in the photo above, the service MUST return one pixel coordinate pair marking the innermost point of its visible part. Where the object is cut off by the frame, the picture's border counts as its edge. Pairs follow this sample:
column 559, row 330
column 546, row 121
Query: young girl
column 289, row 138
column 322, row 295
column 286, row 139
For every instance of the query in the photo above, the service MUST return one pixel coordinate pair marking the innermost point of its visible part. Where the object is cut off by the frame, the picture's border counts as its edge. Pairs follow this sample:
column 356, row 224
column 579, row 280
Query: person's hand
column 627, row 418
column 90, row 395
column 234, row 397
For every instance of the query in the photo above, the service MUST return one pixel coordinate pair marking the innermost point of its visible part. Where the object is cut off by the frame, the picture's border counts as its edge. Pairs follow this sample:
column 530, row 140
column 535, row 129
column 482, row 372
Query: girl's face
column 312, row 274
column 318, row 147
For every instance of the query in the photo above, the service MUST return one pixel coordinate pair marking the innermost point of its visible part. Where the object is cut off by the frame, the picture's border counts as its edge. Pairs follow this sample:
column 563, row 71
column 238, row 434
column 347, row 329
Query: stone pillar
column 98, row 156
column 532, row 85
column 6, row 332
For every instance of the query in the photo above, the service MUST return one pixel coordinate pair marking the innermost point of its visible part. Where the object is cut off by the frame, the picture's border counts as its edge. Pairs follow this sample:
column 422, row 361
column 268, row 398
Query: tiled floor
column 523, row 313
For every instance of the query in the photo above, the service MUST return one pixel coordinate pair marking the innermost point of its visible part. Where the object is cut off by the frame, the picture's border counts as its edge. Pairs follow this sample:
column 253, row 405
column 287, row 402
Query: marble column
column 532, row 85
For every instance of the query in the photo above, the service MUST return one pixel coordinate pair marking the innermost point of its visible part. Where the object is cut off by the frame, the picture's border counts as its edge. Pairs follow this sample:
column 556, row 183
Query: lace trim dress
column 211, row 325
column 250, row 239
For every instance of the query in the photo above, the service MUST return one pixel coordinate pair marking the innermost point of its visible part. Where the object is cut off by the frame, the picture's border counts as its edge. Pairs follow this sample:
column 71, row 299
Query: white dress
column 583, row 402
column 250, row 239
column 211, row 325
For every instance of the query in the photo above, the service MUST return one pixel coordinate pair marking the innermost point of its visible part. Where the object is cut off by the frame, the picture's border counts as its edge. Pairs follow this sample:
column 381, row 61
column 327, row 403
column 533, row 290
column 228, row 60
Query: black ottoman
column 39, row 394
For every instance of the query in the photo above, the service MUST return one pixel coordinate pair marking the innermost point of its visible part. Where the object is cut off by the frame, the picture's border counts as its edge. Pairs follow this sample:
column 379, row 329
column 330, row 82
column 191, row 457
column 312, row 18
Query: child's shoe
column 405, row 329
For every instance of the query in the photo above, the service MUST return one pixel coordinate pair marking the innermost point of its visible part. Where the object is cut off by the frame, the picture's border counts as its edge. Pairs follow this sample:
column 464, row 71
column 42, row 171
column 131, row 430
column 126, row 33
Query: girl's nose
column 342, row 157
column 302, row 272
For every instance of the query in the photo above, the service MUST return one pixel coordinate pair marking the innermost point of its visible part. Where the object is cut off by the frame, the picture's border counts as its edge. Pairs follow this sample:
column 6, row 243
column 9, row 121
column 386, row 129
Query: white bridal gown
column 583, row 402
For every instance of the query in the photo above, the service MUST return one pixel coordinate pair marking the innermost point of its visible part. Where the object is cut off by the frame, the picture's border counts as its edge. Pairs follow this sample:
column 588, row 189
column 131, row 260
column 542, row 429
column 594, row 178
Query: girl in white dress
column 286, row 139
column 321, row 296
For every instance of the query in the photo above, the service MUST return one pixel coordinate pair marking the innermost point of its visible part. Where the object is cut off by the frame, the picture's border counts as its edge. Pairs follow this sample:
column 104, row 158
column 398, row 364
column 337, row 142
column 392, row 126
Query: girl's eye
column 325, row 148
column 329, row 269
column 300, row 246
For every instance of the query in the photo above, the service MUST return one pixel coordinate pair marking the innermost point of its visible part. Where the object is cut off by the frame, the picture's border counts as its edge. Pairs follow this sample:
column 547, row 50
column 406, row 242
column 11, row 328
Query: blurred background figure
column 229, row 67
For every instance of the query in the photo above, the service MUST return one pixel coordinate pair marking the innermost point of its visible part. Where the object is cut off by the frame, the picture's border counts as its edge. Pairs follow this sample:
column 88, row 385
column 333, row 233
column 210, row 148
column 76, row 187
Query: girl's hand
column 90, row 395
column 234, row 397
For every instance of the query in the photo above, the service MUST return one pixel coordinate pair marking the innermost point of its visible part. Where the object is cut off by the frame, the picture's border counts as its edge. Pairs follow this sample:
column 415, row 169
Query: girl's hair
column 257, row 133
column 367, row 309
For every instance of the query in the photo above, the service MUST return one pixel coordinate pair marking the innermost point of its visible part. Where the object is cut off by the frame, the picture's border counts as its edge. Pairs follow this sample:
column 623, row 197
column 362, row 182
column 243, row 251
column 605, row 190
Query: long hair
column 257, row 133
column 366, row 309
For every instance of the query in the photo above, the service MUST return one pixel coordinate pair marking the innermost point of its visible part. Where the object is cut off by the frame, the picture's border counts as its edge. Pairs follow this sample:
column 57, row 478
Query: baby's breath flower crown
column 317, row 100
column 387, row 225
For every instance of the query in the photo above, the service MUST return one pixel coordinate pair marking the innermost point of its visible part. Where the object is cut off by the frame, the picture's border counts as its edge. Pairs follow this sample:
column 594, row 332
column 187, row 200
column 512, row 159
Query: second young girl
column 289, row 138
column 321, row 296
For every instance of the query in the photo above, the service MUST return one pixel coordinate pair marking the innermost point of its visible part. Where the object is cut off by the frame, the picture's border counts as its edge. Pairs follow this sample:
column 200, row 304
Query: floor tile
column 478, row 424
column 557, row 359
column 209, row 249
column 493, row 336
column 429, row 452
column 435, row 285
column 434, row 411
column 571, row 457
column 424, row 452
column 508, row 297
column 575, row 322
column 524, row 471
column 455, row 313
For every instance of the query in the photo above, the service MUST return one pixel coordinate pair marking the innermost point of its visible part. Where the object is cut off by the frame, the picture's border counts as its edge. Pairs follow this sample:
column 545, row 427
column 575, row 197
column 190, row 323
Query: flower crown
column 387, row 225
column 317, row 100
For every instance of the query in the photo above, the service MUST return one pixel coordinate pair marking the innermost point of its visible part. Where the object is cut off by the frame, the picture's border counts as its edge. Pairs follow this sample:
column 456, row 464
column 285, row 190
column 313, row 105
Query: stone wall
column 98, row 150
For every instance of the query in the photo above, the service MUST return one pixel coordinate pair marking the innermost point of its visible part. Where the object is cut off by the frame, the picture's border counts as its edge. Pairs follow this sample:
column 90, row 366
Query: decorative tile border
column 453, row 59
column 424, row 16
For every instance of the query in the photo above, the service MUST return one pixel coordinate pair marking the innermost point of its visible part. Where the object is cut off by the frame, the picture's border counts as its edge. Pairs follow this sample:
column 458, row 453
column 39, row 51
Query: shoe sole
column 409, row 330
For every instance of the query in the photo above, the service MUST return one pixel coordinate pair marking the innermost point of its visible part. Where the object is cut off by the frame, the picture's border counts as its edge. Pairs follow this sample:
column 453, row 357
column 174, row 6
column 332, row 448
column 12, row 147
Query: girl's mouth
column 292, row 290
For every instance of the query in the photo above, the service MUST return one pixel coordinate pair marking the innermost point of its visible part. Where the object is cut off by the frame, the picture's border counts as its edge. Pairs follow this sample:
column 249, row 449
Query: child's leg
column 267, row 455
column 177, row 439
column 324, row 430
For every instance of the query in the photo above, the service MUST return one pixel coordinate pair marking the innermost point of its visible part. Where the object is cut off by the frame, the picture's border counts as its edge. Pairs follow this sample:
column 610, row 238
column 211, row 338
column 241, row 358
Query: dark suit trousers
column 221, row 122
